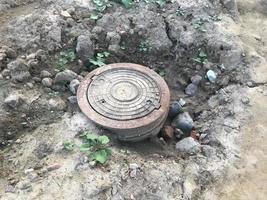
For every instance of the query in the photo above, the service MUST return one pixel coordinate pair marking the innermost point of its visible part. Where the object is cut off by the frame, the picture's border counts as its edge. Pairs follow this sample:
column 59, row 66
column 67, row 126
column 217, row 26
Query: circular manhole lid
column 123, row 94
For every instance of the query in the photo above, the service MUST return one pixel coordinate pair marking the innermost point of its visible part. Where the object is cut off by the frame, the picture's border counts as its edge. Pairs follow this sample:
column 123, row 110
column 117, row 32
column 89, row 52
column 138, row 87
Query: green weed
column 96, row 147
column 144, row 47
column 64, row 58
column 99, row 60
column 180, row 12
column 69, row 146
column 199, row 24
column 202, row 57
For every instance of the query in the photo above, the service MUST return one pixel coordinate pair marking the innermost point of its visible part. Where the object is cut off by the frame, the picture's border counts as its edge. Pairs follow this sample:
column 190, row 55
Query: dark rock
column 183, row 122
column 175, row 109
column 191, row 89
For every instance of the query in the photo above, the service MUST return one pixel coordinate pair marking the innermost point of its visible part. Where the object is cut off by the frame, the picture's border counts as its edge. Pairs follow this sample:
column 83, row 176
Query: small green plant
column 162, row 73
column 64, row 58
column 161, row 3
column 99, row 7
column 127, row 3
column 215, row 18
column 96, row 147
column 199, row 24
column 99, row 59
column 180, row 12
column 69, row 146
column 144, row 47
column 202, row 57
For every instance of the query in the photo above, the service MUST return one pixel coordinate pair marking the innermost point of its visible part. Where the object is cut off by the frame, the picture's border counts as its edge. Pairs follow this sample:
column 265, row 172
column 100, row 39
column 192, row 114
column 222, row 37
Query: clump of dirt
column 55, row 42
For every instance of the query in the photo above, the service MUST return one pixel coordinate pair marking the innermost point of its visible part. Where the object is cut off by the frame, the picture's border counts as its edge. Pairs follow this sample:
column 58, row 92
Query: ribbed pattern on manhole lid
column 123, row 94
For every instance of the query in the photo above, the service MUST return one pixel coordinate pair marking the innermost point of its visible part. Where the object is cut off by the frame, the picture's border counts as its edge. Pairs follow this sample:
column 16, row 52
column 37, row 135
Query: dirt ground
column 230, row 114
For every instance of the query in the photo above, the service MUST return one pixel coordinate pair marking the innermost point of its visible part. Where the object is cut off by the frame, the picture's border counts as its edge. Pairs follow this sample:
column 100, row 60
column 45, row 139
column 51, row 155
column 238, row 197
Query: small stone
column 13, row 100
column 182, row 102
column 23, row 185
column 27, row 171
column 18, row 141
column 207, row 65
column 211, row 75
column 188, row 146
column 178, row 133
column 191, row 89
column 45, row 74
column 74, row 84
column 11, row 53
column 251, row 84
column 196, row 79
column 53, row 167
column 30, row 56
column 57, row 104
column 245, row 100
column 65, row 76
column 10, row 189
column 65, row 14
column 36, row 79
column 183, row 122
column 29, row 85
column 6, row 72
column 167, row 132
column 133, row 166
column 47, row 82
column 1, row 77
column 175, row 109
column 72, row 99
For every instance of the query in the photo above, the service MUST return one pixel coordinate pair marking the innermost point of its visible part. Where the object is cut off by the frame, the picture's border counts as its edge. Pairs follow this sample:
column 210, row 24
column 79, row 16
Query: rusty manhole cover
column 129, row 99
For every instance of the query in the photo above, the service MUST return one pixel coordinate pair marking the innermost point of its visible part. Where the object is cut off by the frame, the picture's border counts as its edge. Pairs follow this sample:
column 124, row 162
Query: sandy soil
column 248, row 179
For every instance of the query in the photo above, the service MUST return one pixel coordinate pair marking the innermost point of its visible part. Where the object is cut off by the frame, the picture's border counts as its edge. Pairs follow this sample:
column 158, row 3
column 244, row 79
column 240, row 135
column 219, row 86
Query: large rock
column 188, row 146
column 183, row 122
column 85, row 47
column 19, row 70
column 65, row 77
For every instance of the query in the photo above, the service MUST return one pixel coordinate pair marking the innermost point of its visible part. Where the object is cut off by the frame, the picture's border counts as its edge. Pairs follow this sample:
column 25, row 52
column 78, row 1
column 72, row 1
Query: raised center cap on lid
column 124, row 91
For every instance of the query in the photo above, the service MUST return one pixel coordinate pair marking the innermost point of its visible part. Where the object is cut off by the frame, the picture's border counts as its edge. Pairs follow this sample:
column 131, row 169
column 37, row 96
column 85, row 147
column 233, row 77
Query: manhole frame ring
column 127, row 124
